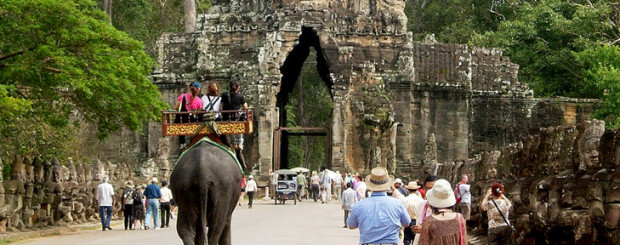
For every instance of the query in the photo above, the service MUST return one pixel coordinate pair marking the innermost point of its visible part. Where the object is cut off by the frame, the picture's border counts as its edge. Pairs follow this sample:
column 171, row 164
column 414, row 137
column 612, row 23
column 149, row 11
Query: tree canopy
column 61, row 62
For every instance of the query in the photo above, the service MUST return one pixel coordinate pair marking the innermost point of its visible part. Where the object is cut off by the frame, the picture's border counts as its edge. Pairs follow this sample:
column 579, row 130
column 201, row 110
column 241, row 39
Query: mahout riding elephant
column 206, row 184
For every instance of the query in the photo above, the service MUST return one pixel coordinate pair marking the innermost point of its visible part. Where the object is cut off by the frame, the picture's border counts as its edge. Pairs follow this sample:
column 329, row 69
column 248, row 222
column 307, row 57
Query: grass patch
column 6, row 241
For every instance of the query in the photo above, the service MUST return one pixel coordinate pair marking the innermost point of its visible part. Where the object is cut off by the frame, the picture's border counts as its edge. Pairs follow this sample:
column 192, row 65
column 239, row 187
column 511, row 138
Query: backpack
column 137, row 199
column 457, row 193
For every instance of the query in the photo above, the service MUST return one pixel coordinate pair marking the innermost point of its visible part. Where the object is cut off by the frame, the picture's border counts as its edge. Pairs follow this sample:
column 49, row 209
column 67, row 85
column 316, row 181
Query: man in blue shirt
column 152, row 194
column 379, row 217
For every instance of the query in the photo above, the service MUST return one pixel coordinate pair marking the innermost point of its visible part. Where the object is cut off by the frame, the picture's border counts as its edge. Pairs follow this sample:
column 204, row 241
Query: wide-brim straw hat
column 379, row 180
column 129, row 184
column 412, row 185
column 441, row 195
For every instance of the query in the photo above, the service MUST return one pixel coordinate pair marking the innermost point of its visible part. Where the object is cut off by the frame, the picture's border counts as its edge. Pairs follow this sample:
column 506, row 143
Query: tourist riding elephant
column 205, row 184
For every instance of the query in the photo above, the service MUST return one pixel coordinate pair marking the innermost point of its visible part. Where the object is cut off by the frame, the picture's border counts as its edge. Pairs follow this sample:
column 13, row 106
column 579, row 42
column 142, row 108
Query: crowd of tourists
column 431, row 213
column 385, row 209
column 141, row 205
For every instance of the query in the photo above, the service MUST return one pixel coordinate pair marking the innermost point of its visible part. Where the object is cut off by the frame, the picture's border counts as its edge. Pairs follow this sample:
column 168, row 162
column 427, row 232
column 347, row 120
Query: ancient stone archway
column 389, row 92
column 291, row 70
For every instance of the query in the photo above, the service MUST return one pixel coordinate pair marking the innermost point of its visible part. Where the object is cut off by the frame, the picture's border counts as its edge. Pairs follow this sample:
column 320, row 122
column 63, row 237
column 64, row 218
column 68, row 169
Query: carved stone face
column 30, row 173
column 88, row 174
column 79, row 172
column 588, row 145
column 39, row 173
column 18, row 170
column 71, row 172
column 98, row 171
column 56, row 172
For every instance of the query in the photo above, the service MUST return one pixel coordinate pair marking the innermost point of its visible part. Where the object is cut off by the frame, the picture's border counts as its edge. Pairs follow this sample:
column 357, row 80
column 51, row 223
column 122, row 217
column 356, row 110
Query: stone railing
column 43, row 193
column 562, row 183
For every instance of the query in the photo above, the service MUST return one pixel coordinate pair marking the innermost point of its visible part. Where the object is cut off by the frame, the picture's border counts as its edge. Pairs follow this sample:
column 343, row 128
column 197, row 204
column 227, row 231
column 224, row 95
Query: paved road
column 301, row 224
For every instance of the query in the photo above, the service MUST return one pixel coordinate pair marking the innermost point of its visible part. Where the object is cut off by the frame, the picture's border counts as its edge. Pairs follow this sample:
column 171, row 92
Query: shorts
column 242, row 189
column 465, row 209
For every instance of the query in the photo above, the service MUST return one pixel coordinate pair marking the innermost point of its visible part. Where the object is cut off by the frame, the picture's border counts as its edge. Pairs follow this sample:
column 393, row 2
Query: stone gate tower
column 390, row 94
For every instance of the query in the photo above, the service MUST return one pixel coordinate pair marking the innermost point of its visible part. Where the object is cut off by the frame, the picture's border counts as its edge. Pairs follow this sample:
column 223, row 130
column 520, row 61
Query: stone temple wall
column 390, row 93
column 42, row 193
column 562, row 182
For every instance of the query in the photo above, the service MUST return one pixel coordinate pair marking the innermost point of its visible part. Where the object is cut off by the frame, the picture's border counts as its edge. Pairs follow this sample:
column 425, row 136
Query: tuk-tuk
column 286, row 188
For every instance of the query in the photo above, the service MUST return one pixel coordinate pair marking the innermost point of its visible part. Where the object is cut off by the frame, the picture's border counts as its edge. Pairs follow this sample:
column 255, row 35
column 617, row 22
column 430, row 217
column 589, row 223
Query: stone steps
column 476, row 239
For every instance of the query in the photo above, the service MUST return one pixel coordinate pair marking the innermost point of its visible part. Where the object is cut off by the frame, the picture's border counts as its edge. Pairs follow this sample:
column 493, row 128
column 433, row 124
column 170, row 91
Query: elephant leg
column 217, row 224
column 186, row 227
column 225, row 239
column 220, row 211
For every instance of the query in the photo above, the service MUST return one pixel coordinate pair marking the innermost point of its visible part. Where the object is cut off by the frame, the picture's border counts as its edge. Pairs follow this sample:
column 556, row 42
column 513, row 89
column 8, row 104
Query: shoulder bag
column 502, row 214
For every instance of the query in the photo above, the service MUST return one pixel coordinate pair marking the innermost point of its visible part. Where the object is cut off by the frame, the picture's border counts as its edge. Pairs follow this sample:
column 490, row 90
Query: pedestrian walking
column 424, row 209
column 338, row 184
column 411, row 203
column 166, row 197
column 242, row 194
column 173, row 208
column 349, row 199
column 497, row 208
column 361, row 189
column 315, row 185
column 444, row 226
column 138, row 207
column 152, row 193
column 274, row 184
column 250, row 189
column 326, row 187
column 463, row 197
column 301, row 183
column 127, row 200
column 398, row 185
column 105, row 198
column 379, row 217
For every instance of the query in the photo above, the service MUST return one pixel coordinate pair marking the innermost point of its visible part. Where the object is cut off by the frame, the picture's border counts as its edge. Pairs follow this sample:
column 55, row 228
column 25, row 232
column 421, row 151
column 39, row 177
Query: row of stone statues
column 562, row 182
column 41, row 193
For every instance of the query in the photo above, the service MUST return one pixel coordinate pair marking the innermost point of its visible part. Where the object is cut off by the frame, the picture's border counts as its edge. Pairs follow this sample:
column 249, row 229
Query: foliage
column 603, row 71
column 454, row 21
column 61, row 62
column 317, row 104
column 146, row 20
column 543, row 37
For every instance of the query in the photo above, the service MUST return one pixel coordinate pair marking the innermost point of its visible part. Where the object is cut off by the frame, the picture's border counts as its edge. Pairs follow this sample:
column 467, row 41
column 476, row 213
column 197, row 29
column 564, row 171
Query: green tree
column 543, row 37
column 61, row 62
column 146, row 20
column 603, row 72
column 455, row 21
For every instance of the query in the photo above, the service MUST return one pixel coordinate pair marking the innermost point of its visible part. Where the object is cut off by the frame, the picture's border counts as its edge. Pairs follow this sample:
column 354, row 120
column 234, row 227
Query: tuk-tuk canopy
column 285, row 172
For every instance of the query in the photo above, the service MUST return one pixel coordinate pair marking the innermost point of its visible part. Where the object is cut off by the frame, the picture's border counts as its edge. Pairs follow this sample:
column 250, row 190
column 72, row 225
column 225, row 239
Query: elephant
column 205, row 184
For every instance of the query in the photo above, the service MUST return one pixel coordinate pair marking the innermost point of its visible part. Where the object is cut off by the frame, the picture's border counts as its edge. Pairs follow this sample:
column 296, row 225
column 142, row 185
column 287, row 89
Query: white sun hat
column 441, row 195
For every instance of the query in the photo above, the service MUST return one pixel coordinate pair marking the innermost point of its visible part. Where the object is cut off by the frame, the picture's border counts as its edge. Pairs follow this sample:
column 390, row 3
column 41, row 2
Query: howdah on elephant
column 206, row 184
